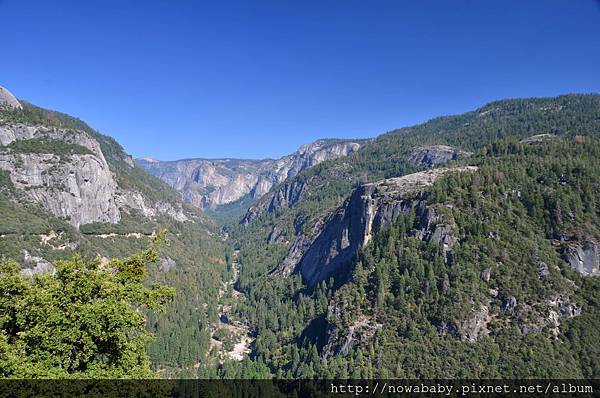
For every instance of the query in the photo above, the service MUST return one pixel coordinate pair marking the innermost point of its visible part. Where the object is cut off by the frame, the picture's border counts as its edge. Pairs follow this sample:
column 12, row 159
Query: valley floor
column 237, row 332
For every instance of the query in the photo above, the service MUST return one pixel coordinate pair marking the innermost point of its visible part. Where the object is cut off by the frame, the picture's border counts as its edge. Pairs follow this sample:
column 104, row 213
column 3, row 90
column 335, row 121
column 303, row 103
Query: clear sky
column 253, row 79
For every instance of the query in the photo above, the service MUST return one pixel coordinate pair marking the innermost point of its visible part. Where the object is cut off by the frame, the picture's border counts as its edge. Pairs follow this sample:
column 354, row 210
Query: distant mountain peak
column 150, row 159
column 7, row 98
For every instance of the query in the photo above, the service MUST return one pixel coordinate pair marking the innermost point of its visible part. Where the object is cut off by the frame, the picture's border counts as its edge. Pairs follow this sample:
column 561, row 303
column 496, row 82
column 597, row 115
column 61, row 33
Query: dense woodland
column 528, row 196
column 523, row 206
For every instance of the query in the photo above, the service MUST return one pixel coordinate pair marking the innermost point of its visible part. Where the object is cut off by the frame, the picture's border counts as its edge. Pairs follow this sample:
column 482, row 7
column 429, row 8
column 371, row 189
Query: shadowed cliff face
column 333, row 246
column 436, row 155
column 287, row 195
column 290, row 192
column 209, row 183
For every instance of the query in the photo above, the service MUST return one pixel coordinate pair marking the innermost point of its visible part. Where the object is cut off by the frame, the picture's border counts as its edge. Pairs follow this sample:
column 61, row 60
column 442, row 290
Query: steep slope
column 504, row 286
column 295, row 206
column 7, row 99
column 370, row 209
column 435, row 142
column 213, row 182
column 40, row 159
column 482, row 267
column 66, row 189
column 66, row 173
column 463, row 247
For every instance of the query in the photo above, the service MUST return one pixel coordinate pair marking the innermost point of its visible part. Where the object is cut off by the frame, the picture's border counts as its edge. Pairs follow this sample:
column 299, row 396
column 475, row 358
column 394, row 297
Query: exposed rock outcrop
column 7, row 99
column 475, row 326
column 340, row 342
column 542, row 268
column 535, row 139
column 287, row 195
column 277, row 235
column 76, row 186
column 37, row 265
column 436, row 155
column 212, row 182
column 165, row 264
column 547, row 315
column 331, row 248
column 584, row 258
column 132, row 200
column 528, row 318
column 299, row 247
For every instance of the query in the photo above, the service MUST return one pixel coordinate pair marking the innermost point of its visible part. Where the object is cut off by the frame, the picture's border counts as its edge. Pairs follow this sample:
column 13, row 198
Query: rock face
column 333, row 246
column 76, row 185
column 166, row 264
column 287, row 195
column 584, row 258
column 37, row 265
column 7, row 99
column 535, row 139
column 473, row 327
column 340, row 342
column 209, row 183
column 435, row 155
column 132, row 200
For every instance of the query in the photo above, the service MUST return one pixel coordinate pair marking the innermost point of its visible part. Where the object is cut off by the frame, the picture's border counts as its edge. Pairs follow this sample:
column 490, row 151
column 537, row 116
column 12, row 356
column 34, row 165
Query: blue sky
column 254, row 79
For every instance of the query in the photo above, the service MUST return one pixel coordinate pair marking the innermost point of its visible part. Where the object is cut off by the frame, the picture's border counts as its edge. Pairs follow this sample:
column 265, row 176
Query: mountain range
column 466, row 246
column 213, row 182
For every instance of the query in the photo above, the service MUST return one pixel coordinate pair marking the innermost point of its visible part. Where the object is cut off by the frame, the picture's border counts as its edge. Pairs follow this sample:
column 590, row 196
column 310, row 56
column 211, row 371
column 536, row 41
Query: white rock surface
column 212, row 182
column 6, row 98
column 77, row 187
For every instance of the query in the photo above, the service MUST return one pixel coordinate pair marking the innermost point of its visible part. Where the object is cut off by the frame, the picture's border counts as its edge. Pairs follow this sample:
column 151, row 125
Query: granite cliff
column 66, row 173
column 213, row 182
column 584, row 257
column 7, row 99
column 333, row 245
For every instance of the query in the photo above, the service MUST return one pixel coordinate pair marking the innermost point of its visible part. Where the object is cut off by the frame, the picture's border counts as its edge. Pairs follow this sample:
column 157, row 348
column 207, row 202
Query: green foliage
column 525, row 204
column 85, row 321
column 505, row 218
column 510, row 215
column 181, row 333
column 56, row 147
column 5, row 181
column 329, row 183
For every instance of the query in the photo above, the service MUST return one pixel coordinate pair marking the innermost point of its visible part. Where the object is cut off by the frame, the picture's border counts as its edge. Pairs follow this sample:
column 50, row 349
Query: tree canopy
column 86, row 320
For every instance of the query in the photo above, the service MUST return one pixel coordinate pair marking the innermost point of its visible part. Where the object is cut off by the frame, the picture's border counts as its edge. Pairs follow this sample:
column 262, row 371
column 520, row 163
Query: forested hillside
column 466, row 246
column 192, row 261
column 502, row 298
column 505, row 303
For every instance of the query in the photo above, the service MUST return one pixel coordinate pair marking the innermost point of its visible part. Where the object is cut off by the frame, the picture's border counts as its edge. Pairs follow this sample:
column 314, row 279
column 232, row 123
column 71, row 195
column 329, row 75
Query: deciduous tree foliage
column 87, row 320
